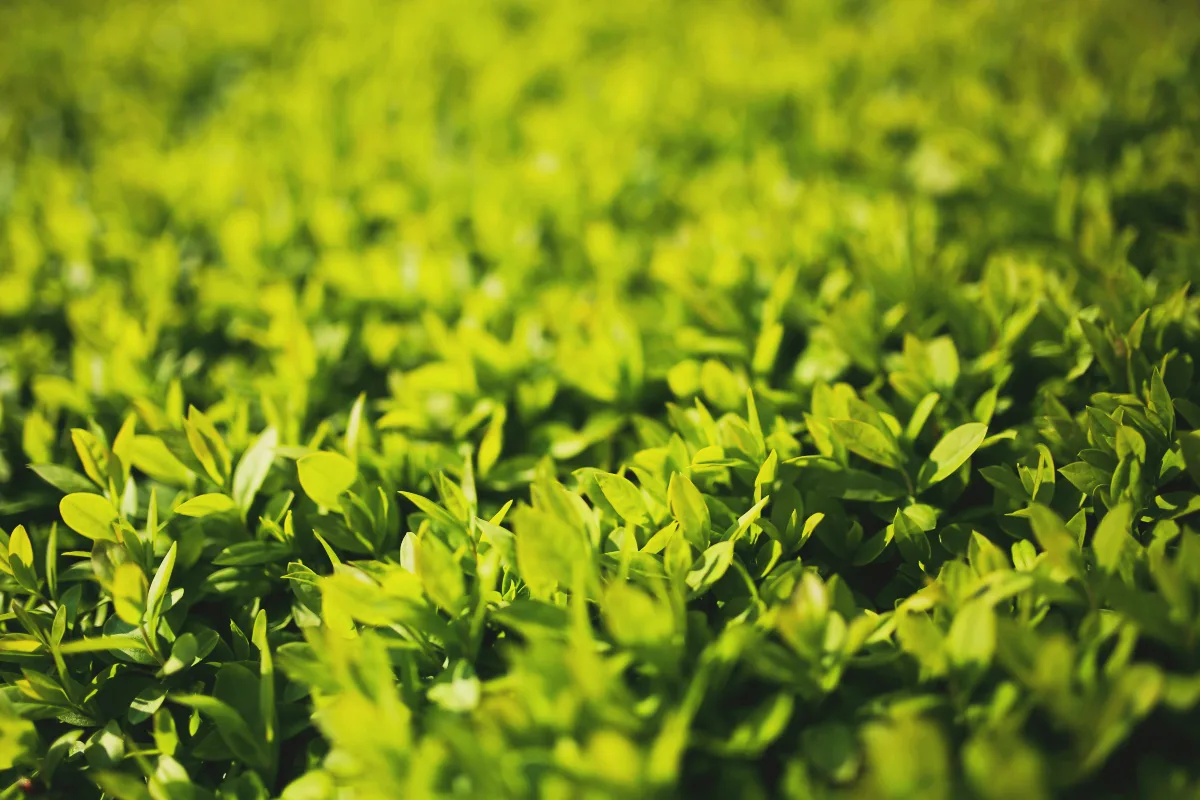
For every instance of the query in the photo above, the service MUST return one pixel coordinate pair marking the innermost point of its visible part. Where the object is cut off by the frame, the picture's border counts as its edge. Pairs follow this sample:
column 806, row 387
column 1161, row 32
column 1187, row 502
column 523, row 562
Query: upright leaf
column 252, row 469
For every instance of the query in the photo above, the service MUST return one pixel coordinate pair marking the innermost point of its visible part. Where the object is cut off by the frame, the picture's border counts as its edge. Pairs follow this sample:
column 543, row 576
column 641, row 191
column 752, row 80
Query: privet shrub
column 599, row 400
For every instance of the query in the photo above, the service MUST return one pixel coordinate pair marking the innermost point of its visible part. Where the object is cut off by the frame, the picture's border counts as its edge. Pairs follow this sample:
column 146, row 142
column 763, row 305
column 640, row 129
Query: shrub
column 634, row 399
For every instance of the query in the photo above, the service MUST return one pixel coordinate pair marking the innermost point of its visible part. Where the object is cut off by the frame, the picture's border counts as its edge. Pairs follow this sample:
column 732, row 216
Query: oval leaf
column 19, row 546
column 324, row 476
column 129, row 593
column 89, row 515
column 625, row 498
column 952, row 452
column 205, row 504
column 689, row 509
column 866, row 441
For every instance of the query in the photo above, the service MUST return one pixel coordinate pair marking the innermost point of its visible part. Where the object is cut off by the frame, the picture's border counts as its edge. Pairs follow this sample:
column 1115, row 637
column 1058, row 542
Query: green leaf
column 120, row 785
column 1112, row 543
column 207, row 445
column 19, row 547
column 146, row 704
column 910, row 539
column 907, row 756
column 129, row 593
column 325, row 476
column 846, row 483
column 252, row 469
column 761, row 728
column 314, row 785
column 833, row 749
column 92, row 455
column 165, row 737
column 267, row 711
column 183, row 654
column 493, row 442
column 548, row 550
column 1189, row 445
column 460, row 693
column 89, row 515
column 867, row 441
column 158, row 586
column 1160, row 402
column 1085, row 477
column 354, row 427
column 62, row 478
column 1053, row 536
column 952, row 452
column 636, row 618
column 972, row 638
column 1000, row 765
column 18, row 736
column 97, row 644
column 625, row 498
column 689, row 510
column 244, row 554
column 713, row 564
column 232, row 728
column 151, row 455
column 439, row 572
column 205, row 505
column 920, row 415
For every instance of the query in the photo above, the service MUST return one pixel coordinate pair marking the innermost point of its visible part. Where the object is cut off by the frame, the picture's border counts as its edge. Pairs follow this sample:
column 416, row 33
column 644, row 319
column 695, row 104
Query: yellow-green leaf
column 152, row 456
column 129, row 593
column 866, row 441
column 205, row 504
column 625, row 498
column 689, row 509
column 439, row 572
column 19, row 546
column 92, row 455
column 324, row 476
column 952, row 452
column 89, row 515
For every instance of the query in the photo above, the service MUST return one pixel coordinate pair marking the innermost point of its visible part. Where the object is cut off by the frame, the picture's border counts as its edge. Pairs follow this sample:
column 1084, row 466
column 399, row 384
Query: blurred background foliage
column 360, row 195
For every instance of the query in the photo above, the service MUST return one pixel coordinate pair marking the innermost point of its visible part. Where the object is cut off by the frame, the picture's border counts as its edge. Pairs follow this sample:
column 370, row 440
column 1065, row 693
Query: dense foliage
column 546, row 399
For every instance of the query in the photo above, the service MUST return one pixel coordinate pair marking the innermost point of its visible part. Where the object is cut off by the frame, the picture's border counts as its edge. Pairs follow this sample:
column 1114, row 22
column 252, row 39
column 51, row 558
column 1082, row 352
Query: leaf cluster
column 640, row 399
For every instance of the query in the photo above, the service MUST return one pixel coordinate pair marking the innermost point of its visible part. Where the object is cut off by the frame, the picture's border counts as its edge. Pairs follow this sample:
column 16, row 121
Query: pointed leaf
column 952, row 452
column 253, row 467
column 866, row 441
column 625, row 498
column 205, row 504
column 689, row 509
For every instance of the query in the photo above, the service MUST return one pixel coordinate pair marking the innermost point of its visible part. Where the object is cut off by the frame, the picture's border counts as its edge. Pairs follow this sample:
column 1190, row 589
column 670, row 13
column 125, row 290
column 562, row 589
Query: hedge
column 736, row 399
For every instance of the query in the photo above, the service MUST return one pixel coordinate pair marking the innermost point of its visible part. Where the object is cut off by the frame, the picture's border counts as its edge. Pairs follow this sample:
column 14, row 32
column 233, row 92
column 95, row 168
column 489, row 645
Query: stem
column 149, row 643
